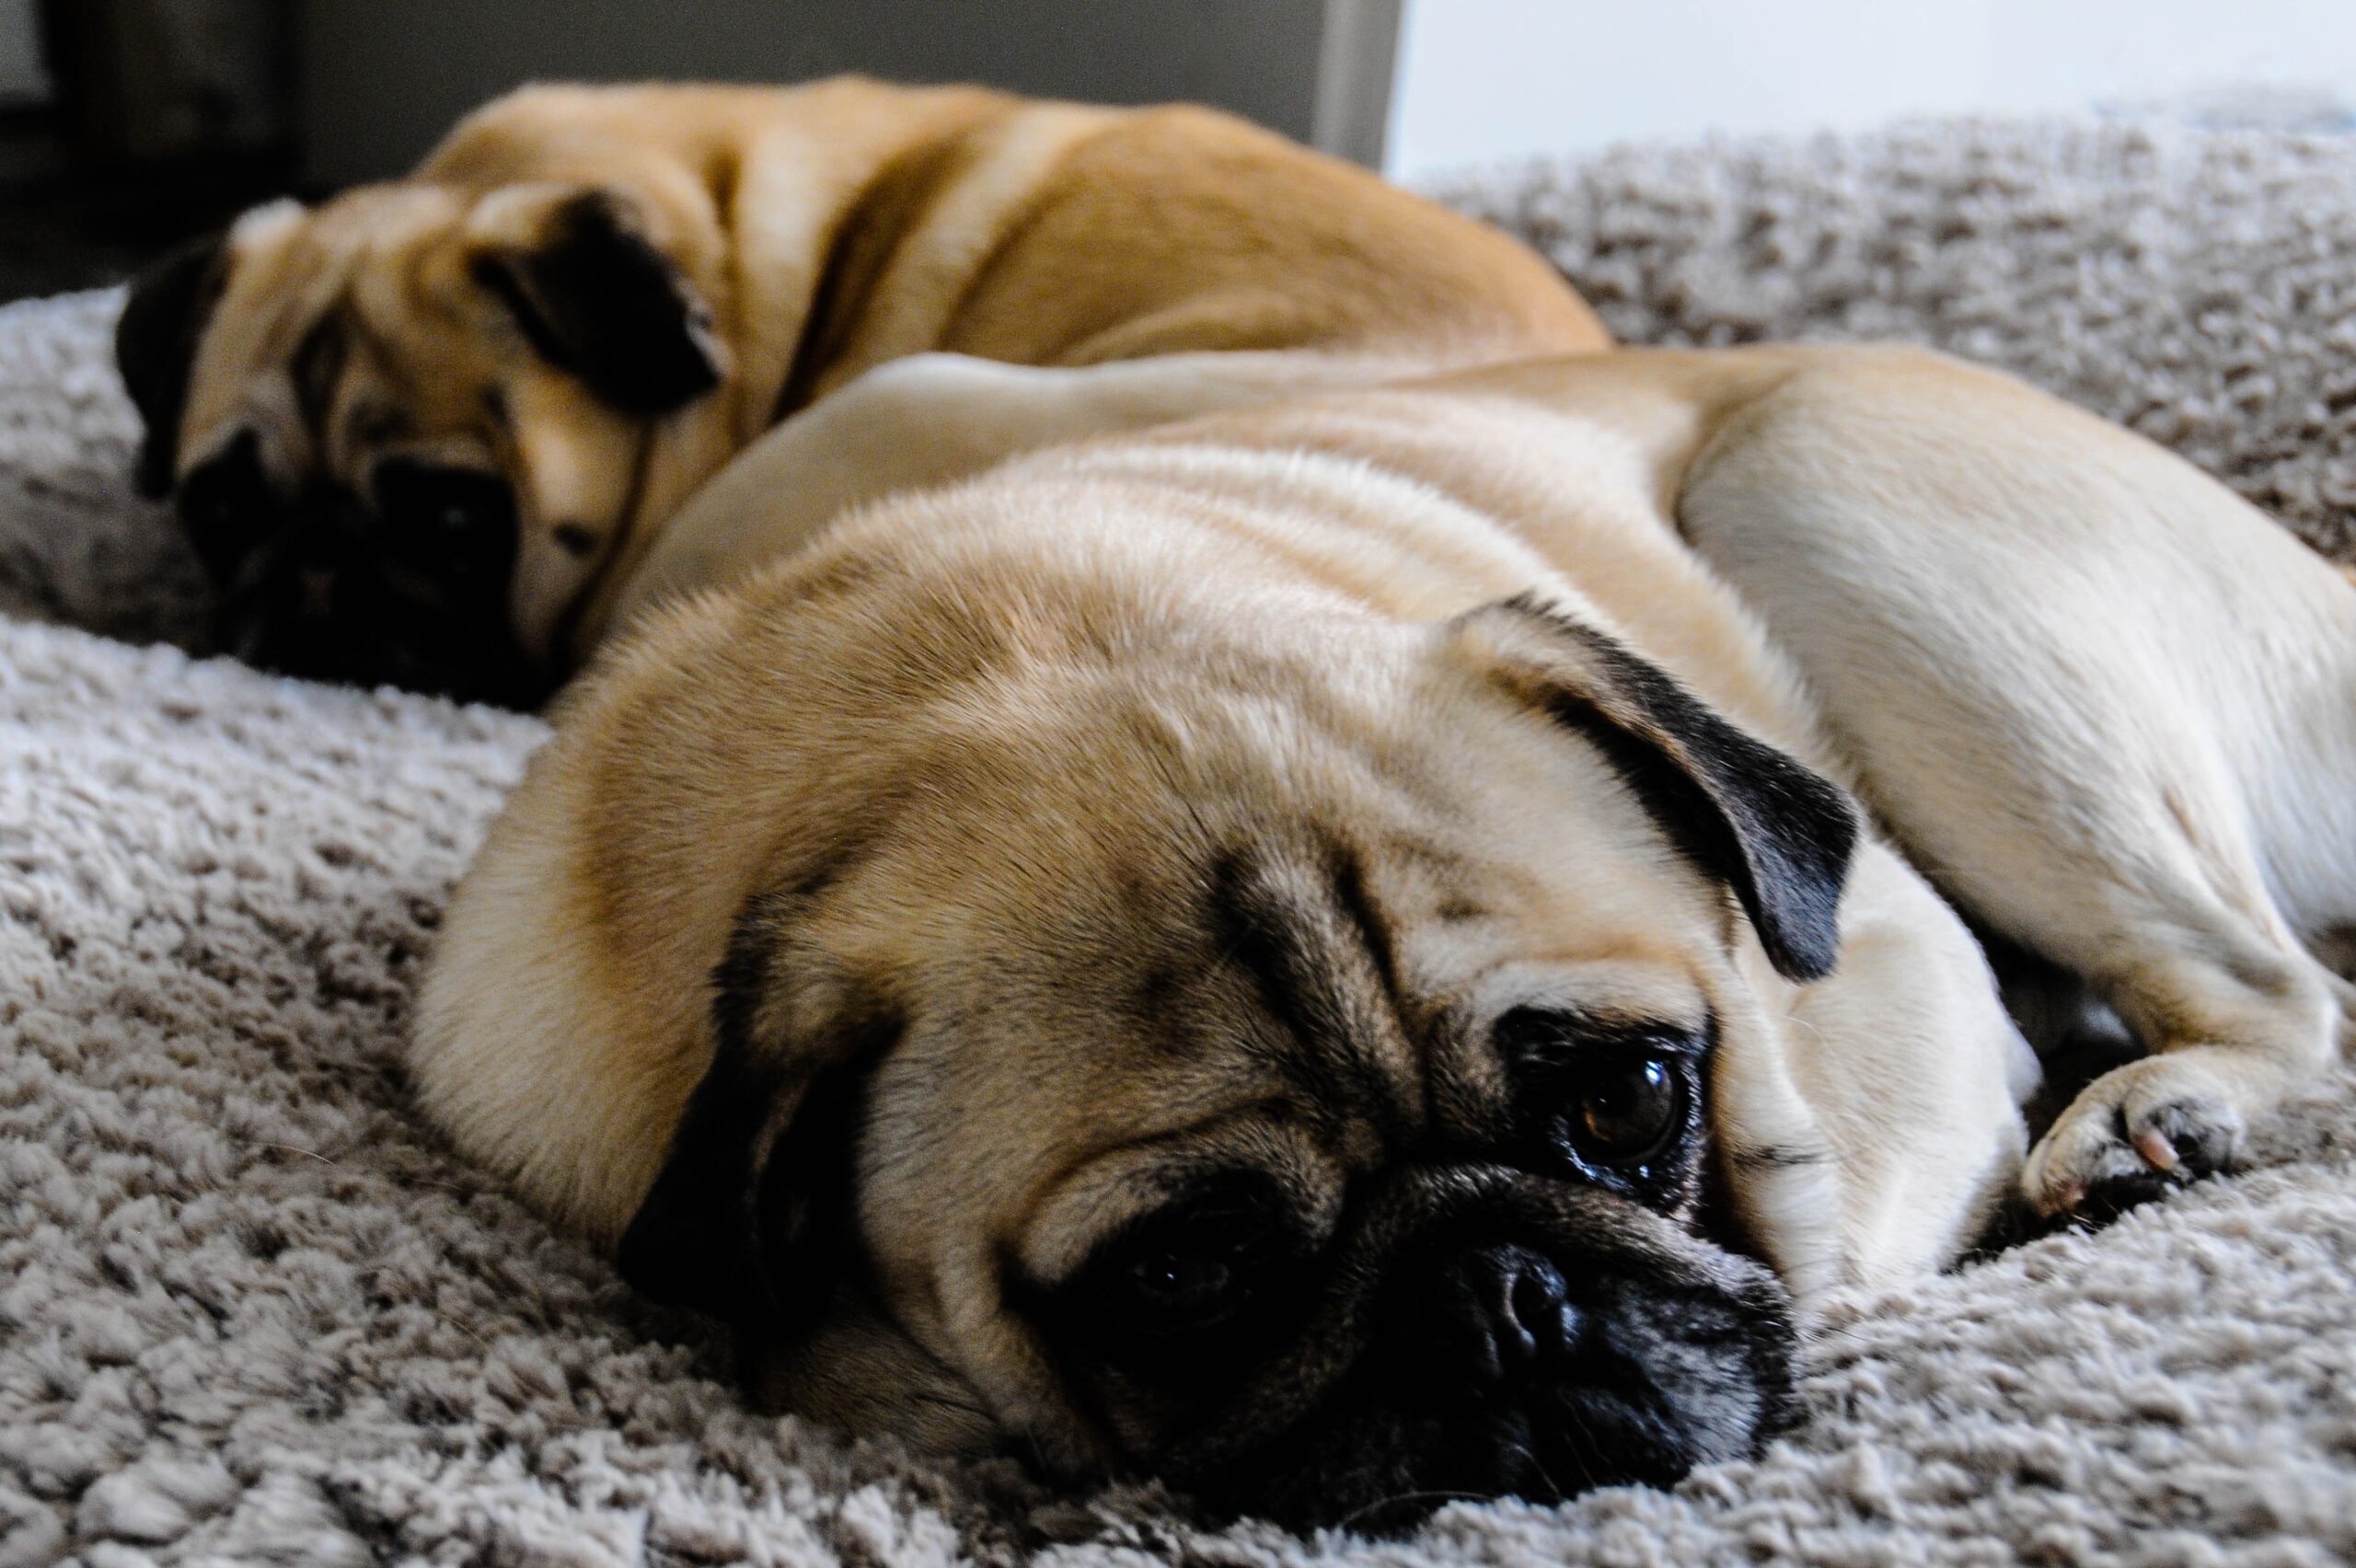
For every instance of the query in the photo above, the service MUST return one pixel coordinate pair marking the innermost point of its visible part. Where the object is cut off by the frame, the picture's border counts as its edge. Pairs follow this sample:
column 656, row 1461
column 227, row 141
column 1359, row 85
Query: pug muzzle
column 1486, row 1333
column 406, row 588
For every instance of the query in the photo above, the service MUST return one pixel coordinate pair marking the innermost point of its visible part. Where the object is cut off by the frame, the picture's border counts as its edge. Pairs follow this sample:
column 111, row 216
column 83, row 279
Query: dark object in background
column 379, row 82
column 162, row 119
column 147, row 81
column 170, row 116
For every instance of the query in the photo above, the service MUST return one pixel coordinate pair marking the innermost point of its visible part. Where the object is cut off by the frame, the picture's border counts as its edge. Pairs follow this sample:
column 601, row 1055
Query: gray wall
column 22, row 81
column 382, row 79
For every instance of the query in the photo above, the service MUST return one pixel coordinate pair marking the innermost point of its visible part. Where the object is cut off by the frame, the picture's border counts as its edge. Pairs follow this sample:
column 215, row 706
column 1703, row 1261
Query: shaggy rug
column 252, row 1312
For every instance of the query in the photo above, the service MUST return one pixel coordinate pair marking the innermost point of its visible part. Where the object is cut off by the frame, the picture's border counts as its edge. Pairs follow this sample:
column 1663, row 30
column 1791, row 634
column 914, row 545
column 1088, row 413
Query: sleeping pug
column 1364, row 950
column 426, row 432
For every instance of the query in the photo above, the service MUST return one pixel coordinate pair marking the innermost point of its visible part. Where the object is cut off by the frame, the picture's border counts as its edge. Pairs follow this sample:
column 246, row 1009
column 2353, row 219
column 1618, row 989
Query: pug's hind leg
column 2105, row 706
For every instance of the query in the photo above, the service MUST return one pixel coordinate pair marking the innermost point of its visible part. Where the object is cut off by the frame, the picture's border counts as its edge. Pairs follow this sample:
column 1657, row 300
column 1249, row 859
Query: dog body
column 427, row 432
column 1299, row 948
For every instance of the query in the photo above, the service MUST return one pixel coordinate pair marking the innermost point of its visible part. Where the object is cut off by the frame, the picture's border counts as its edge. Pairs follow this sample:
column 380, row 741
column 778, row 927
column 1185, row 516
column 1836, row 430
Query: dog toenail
column 2155, row 1148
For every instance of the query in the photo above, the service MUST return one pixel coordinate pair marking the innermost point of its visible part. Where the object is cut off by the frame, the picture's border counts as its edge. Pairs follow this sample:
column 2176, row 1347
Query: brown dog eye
column 1181, row 1284
column 1624, row 1117
column 1614, row 1098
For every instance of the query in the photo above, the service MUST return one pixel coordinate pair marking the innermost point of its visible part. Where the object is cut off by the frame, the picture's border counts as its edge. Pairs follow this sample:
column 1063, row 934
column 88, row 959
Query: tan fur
column 829, row 228
column 1008, row 719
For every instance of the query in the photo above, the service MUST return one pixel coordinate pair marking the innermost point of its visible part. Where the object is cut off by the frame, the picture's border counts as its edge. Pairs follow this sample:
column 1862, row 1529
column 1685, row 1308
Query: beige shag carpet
column 252, row 1312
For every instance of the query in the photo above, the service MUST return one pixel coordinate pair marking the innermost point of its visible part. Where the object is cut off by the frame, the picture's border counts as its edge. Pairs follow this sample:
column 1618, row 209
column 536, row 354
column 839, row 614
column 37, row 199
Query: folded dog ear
column 596, row 297
column 1777, row 834
column 155, row 348
column 752, row 1217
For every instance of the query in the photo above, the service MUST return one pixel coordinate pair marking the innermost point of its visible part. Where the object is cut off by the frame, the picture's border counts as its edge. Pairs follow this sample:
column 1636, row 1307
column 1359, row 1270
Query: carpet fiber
column 252, row 1312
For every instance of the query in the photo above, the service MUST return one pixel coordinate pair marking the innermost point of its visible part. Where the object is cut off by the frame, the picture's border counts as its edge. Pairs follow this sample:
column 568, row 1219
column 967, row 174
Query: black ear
column 155, row 348
column 1777, row 834
column 752, row 1218
column 598, row 299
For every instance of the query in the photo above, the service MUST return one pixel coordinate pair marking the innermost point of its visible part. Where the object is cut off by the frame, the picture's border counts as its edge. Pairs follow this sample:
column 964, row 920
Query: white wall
column 1484, row 80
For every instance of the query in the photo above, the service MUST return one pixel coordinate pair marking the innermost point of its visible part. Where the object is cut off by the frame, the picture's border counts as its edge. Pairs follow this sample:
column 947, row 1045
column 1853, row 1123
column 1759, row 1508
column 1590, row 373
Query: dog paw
column 2134, row 1133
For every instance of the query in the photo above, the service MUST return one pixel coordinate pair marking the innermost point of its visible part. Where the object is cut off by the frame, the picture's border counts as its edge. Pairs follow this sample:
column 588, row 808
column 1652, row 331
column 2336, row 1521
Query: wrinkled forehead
column 371, row 253
column 1293, row 974
column 1378, row 796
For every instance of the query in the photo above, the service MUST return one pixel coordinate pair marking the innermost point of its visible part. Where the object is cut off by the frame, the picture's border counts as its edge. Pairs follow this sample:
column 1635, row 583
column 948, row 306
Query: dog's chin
column 1665, row 1381
column 416, row 648
column 1646, row 1361
column 452, row 669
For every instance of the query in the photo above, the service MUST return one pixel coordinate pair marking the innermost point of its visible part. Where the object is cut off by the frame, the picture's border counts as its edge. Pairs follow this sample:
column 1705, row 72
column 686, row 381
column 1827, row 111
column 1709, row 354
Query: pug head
column 1291, row 1074
column 409, row 432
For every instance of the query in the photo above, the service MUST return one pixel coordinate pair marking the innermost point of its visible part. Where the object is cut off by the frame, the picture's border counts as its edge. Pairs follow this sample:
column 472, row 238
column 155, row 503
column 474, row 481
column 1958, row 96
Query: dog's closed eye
column 1204, row 1271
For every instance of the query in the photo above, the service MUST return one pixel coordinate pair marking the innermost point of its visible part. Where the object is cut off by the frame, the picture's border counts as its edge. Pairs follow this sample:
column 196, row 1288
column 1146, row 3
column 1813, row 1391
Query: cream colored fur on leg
column 2103, row 702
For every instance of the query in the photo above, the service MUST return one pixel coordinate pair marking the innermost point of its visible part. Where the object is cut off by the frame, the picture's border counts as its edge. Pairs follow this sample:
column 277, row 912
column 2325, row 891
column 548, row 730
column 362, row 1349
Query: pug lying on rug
column 427, row 432
column 1362, row 950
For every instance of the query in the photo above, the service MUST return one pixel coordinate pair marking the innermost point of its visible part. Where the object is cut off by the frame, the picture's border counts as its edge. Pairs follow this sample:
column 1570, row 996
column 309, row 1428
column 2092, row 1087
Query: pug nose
column 1511, row 1310
column 330, row 521
column 315, row 597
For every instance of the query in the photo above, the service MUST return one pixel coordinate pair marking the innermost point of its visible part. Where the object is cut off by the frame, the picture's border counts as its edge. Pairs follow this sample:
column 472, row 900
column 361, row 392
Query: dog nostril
column 1529, row 1298
column 1533, row 1316
column 315, row 593
column 1499, row 1312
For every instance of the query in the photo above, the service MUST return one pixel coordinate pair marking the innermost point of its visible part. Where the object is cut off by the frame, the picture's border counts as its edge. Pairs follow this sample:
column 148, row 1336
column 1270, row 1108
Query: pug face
column 1206, row 1073
column 407, row 432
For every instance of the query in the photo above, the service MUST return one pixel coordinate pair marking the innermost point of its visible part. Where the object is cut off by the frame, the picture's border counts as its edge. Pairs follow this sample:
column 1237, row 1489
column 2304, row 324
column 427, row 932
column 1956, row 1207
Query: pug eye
column 1181, row 1284
column 1188, row 1270
column 1627, row 1115
column 460, row 514
column 1617, row 1102
column 226, row 506
column 457, row 520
